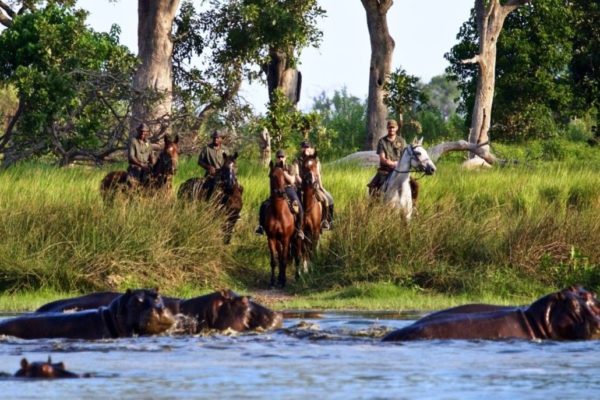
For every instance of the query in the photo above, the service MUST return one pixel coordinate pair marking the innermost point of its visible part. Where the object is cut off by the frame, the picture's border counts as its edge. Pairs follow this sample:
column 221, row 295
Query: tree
column 443, row 94
column 533, row 88
column 489, row 17
column 382, row 47
column 73, row 86
column 153, row 81
column 268, row 34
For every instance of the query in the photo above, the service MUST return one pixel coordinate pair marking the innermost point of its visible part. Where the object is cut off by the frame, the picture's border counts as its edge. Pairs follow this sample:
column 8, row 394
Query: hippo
column 570, row 314
column 219, row 310
column 45, row 370
column 137, row 312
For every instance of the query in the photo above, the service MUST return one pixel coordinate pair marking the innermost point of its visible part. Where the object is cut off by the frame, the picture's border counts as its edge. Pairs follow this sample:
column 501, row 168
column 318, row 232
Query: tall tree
column 533, row 92
column 382, row 47
column 489, row 17
column 153, row 81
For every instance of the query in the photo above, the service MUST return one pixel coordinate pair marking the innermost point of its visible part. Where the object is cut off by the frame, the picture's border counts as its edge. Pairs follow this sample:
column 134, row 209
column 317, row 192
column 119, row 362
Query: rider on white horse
column 389, row 150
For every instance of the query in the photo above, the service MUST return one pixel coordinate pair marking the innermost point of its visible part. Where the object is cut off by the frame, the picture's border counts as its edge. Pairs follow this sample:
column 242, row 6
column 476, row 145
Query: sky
column 423, row 31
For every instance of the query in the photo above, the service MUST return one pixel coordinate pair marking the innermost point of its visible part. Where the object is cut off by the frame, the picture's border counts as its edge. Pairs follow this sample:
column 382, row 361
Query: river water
column 338, row 356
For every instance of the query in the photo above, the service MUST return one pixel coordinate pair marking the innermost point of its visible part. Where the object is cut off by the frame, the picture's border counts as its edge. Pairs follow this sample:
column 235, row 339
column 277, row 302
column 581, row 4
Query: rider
column 211, row 159
column 140, row 157
column 292, row 194
column 389, row 150
column 323, row 196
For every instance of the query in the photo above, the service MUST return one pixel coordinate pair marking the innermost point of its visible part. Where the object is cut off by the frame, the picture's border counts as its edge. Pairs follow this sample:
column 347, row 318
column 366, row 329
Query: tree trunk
column 490, row 20
column 154, row 74
column 382, row 47
column 279, row 76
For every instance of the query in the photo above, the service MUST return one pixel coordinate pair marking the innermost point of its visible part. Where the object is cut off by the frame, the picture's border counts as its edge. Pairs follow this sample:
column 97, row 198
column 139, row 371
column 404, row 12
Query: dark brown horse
column 279, row 224
column 313, row 212
column 228, row 193
column 161, row 177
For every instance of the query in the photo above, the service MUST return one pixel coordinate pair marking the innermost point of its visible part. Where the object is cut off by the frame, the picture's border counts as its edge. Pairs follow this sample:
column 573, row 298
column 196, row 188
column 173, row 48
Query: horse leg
column 273, row 251
column 283, row 260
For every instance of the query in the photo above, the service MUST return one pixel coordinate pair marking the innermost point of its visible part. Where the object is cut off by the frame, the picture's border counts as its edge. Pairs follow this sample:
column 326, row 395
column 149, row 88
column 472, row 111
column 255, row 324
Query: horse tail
column 414, row 188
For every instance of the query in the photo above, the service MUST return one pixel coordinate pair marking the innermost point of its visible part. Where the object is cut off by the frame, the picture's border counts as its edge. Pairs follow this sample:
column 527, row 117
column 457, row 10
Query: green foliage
column 289, row 126
column 246, row 30
column 343, row 119
column 71, row 81
column 533, row 93
column 403, row 93
column 443, row 94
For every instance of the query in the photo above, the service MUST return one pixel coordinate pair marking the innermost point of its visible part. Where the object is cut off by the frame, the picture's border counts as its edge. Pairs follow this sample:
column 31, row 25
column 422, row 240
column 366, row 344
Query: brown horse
column 228, row 193
column 279, row 224
column 161, row 178
column 313, row 212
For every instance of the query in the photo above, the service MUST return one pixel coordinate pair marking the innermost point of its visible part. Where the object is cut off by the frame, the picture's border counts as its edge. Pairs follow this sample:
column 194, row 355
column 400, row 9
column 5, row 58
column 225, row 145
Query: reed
column 522, row 229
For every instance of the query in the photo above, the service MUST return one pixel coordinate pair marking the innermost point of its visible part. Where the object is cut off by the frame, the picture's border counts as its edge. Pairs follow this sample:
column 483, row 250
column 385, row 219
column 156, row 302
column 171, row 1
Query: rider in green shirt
column 140, row 157
column 389, row 150
column 211, row 159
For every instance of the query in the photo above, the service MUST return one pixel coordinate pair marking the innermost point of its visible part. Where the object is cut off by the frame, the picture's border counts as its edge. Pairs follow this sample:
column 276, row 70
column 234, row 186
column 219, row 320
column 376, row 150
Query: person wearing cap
column 323, row 196
column 211, row 159
column 140, row 157
column 389, row 150
column 292, row 194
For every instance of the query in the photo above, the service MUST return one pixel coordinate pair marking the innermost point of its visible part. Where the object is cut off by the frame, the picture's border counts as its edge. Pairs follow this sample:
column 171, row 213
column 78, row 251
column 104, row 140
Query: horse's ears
column 417, row 142
column 271, row 165
column 316, row 154
column 176, row 140
column 235, row 155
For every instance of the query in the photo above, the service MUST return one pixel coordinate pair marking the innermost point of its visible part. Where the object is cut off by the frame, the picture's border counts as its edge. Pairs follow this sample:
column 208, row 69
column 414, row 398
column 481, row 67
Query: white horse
column 396, row 190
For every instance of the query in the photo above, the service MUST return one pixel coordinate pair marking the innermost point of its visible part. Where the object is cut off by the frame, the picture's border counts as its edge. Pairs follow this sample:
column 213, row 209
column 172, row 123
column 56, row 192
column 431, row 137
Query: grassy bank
column 506, row 235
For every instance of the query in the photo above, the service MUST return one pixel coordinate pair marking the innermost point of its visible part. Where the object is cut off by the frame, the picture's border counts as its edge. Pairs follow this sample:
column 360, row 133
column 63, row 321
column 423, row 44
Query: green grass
column 504, row 235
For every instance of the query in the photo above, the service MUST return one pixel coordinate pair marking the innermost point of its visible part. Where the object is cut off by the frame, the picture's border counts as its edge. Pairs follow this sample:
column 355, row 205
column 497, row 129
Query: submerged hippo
column 45, row 370
column 137, row 312
column 571, row 314
column 219, row 310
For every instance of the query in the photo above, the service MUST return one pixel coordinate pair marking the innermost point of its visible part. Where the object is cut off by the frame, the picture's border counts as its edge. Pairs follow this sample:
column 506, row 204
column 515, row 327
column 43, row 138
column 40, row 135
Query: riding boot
column 261, row 218
column 299, row 231
column 325, row 225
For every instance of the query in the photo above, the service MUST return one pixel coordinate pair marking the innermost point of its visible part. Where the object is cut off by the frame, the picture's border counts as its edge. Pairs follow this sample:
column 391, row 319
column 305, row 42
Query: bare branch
column 474, row 60
column 4, row 139
column 4, row 20
column 9, row 11
column 482, row 151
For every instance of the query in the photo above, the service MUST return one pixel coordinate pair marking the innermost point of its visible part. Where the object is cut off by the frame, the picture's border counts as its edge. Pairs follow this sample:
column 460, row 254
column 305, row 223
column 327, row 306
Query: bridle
column 411, row 149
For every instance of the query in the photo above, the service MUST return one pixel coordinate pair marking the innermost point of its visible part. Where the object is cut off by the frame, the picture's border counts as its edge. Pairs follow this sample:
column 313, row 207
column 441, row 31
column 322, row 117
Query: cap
column 280, row 153
column 305, row 143
column 392, row 122
column 143, row 127
column 216, row 133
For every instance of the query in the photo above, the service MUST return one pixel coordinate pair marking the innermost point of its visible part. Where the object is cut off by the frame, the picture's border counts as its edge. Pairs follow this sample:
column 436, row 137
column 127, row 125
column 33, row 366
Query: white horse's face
column 419, row 159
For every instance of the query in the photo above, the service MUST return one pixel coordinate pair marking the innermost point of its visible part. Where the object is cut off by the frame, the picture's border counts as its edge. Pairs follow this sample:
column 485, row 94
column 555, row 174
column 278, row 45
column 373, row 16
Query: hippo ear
column 60, row 365
column 24, row 363
column 128, row 291
column 49, row 360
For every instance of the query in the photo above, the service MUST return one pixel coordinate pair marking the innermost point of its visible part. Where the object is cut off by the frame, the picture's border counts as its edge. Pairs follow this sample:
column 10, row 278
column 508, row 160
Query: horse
column 397, row 190
column 160, row 180
column 279, row 224
column 313, row 212
column 228, row 193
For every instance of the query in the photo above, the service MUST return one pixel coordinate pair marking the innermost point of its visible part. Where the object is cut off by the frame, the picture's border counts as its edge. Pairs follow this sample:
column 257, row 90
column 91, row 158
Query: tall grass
column 526, row 228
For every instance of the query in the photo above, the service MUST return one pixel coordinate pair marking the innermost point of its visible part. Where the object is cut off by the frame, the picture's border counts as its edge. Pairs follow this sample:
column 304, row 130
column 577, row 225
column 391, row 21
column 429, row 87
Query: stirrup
column 260, row 230
column 300, row 234
column 325, row 225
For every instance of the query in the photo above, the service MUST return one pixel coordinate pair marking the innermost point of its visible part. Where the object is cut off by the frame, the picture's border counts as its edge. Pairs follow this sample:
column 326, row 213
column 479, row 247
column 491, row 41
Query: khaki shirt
column 139, row 151
column 391, row 150
column 212, row 156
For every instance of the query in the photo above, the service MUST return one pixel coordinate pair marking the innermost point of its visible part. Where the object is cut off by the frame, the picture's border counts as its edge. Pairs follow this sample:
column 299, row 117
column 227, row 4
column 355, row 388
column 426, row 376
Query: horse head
column 167, row 162
column 276, row 178
column 419, row 158
column 309, row 170
column 227, row 173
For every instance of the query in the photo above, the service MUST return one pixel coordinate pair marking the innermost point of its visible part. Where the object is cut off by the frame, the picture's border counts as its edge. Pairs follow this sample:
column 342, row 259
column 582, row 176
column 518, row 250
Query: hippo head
column 230, row 311
column 46, row 370
column 143, row 312
column 571, row 314
column 262, row 318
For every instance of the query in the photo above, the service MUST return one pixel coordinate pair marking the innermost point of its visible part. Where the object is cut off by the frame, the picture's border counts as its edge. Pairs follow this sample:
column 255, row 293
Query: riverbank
column 504, row 235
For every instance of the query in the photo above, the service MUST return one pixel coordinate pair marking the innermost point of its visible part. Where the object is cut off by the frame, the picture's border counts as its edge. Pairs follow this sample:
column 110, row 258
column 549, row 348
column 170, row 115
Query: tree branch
column 9, row 11
column 482, row 151
column 474, row 60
